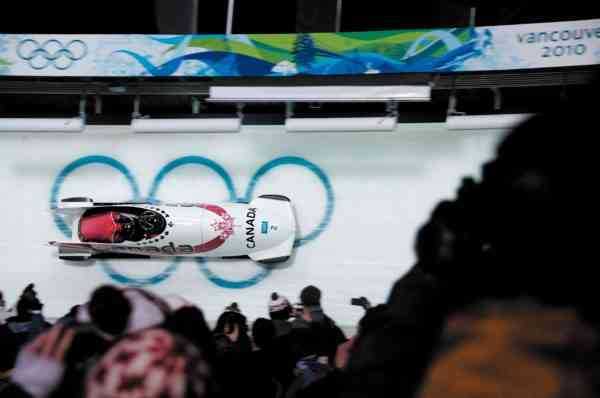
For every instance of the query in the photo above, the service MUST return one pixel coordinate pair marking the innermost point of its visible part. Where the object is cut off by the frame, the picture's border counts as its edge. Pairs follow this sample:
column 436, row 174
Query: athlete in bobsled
column 117, row 227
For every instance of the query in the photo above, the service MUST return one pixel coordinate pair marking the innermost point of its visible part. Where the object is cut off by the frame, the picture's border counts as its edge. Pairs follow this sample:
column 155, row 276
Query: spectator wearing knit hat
column 231, row 333
column 151, row 363
column 280, row 311
column 234, row 353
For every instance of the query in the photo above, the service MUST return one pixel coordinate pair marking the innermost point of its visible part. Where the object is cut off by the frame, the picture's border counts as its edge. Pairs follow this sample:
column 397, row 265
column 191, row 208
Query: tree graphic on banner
column 305, row 51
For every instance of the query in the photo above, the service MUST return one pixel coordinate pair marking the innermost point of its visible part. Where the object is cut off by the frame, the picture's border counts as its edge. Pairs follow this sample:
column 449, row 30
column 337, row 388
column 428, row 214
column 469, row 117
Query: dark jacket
column 282, row 327
column 15, row 333
column 329, row 335
column 308, row 372
column 11, row 390
column 391, row 359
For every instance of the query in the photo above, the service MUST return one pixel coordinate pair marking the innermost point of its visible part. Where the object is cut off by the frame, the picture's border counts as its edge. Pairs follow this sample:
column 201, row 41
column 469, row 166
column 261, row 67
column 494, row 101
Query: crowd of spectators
column 501, row 302
column 129, row 342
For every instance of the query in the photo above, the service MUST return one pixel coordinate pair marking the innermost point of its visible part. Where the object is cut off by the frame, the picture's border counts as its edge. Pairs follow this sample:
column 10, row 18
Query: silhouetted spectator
column 263, row 333
column 21, row 328
column 70, row 316
column 515, row 348
column 331, row 385
column 231, row 332
column 189, row 322
column 266, row 360
column 6, row 340
column 40, row 365
column 517, row 234
column 374, row 319
column 310, row 367
column 56, row 362
column 330, row 336
column 4, row 311
column 151, row 364
column 29, row 319
column 8, row 353
column 86, row 349
column 234, row 350
column 280, row 311
column 116, row 311
column 522, row 240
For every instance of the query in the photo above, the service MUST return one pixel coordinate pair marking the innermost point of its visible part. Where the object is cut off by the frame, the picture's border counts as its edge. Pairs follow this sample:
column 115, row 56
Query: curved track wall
column 359, row 199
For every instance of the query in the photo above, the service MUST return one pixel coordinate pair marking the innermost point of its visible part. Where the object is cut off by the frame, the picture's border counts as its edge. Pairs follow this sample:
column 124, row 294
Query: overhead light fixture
column 146, row 124
column 67, row 125
column 343, row 124
column 321, row 94
column 44, row 124
column 482, row 122
column 221, row 125
column 461, row 121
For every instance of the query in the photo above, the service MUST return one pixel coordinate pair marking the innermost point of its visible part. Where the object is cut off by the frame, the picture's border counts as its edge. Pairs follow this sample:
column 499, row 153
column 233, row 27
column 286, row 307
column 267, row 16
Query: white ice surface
column 385, row 184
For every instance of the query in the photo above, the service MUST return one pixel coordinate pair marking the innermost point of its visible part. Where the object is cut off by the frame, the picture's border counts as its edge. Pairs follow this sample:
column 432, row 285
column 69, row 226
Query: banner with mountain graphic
column 478, row 49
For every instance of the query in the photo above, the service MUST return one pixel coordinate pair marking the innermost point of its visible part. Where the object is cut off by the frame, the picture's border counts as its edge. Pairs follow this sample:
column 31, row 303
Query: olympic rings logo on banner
column 51, row 52
column 232, row 197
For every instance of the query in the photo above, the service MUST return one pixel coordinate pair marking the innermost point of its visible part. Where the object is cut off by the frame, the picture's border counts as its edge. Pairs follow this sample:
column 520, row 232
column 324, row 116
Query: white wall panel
column 384, row 186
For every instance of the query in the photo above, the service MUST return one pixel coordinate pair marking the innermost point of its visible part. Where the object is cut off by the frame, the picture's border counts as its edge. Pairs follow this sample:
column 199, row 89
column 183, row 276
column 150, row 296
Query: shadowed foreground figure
column 152, row 363
column 517, row 348
column 24, row 326
column 518, row 234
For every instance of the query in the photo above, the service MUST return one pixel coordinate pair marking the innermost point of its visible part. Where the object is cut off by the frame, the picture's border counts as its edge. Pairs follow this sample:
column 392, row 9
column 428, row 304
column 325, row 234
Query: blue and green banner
column 478, row 49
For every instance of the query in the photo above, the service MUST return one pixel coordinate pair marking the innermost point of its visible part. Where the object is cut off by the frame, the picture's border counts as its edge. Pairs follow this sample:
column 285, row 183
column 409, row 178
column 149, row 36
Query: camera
column 361, row 302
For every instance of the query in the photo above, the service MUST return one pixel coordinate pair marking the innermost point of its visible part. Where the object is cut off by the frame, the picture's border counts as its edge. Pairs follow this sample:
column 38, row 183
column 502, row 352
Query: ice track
column 359, row 198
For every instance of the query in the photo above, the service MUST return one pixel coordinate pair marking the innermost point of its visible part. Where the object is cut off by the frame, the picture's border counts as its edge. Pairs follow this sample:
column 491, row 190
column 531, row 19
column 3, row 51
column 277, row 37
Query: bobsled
column 263, row 230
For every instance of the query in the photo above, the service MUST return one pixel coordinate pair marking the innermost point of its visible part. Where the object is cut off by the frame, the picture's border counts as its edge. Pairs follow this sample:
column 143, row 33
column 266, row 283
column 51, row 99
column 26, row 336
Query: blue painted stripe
column 233, row 197
column 316, row 170
column 66, row 230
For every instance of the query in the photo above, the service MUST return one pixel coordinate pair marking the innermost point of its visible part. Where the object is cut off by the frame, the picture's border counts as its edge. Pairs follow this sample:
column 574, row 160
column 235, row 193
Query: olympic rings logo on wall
column 51, row 52
column 233, row 197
